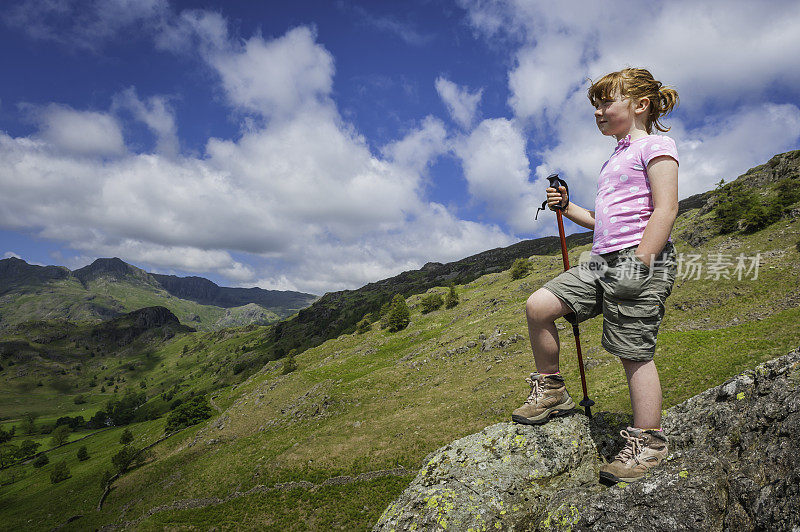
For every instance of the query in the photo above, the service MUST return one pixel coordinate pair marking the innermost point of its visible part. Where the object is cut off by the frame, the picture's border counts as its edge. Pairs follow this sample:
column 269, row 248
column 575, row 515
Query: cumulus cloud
column 156, row 113
column 720, row 133
column 10, row 254
column 276, row 77
column 80, row 132
column 460, row 102
column 497, row 169
column 300, row 190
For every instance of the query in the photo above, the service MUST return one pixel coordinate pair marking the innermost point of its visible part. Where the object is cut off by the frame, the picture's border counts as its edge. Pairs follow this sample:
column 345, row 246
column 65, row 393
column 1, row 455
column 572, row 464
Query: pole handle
column 555, row 182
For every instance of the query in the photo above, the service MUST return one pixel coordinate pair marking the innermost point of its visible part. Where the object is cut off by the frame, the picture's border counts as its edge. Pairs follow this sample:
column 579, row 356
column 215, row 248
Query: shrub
column 451, row 299
column 399, row 316
column 289, row 363
column 83, row 454
column 431, row 302
column 189, row 413
column 121, row 411
column 105, row 479
column 520, row 268
column 80, row 399
column 126, row 437
column 363, row 326
column 4, row 435
column 40, row 461
column 98, row 420
column 60, row 472
column 124, row 458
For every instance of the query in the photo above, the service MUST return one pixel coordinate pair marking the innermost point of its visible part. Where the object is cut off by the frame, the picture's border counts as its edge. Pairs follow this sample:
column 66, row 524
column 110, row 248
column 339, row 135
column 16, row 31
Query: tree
column 451, row 299
column 189, row 413
column 123, row 459
column 40, row 461
column 80, row 399
column 83, row 454
column 60, row 472
column 399, row 316
column 431, row 302
column 520, row 268
column 105, row 479
column 4, row 435
column 289, row 363
column 363, row 326
column 27, row 449
column 28, row 426
column 60, row 435
column 8, row 454
column 126, row 437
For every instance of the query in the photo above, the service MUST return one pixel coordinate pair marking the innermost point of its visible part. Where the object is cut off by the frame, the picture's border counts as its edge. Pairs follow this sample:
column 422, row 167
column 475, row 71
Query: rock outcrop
column 734, row 465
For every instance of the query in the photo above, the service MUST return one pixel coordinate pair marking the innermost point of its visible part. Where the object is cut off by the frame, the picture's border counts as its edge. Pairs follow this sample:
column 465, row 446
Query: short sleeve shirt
column 624, row 201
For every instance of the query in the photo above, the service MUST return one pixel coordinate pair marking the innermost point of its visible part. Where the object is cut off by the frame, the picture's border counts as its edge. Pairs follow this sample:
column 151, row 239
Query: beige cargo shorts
column 630, row 296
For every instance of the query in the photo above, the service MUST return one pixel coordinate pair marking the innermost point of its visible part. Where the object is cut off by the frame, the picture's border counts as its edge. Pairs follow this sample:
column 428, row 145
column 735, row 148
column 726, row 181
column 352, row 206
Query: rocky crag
column 733, row 465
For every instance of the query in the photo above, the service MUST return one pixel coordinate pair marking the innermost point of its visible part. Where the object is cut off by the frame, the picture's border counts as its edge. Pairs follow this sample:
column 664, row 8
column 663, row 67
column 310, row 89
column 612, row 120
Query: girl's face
column 615, row 117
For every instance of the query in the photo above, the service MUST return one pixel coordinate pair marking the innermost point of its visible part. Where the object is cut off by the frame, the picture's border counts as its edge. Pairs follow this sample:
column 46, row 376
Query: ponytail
column 637, row 83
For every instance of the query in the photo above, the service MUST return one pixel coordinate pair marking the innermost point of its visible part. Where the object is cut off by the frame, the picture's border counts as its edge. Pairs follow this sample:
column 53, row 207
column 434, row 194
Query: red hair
column 635, row 84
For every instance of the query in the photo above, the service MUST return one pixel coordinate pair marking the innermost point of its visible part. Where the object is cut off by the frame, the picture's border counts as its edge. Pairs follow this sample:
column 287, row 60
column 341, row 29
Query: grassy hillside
column 330, row 444
column 371, row 403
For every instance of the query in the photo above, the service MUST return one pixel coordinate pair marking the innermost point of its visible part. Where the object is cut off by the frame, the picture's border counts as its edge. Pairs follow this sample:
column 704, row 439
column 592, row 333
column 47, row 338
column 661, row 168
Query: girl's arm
column 662, row 172
column 574, row 212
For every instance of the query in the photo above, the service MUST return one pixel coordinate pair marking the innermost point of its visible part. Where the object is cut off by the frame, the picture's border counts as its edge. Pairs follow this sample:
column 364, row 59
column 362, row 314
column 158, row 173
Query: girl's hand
column 557, row 197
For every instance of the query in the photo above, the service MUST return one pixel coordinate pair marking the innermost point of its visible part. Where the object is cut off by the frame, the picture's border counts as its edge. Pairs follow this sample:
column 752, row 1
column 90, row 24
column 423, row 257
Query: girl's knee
column 540, row 306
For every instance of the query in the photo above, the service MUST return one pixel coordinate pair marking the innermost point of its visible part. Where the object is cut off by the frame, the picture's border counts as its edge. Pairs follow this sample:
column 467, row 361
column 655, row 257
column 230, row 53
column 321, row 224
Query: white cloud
column 497, row 170
column 460, row 102
column 157, row 114
column 9, row 254
column 301, row 190
column 277, row 77
column 732, row 63
column 80, row 132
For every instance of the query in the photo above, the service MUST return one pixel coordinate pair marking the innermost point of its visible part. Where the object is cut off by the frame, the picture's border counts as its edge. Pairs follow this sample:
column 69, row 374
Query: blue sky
column 319, row 146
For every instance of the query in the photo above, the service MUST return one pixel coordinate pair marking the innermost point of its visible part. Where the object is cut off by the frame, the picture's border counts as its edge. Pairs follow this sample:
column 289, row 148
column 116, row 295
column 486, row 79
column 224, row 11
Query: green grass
column 380, row 400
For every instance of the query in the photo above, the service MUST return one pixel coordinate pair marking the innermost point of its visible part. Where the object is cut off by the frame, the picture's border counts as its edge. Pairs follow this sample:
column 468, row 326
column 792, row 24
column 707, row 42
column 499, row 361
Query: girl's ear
column 642, row 106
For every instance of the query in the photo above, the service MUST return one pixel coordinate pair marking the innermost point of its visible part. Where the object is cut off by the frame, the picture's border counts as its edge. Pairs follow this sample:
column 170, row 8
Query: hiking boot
column 644, row 450
column 548, row 397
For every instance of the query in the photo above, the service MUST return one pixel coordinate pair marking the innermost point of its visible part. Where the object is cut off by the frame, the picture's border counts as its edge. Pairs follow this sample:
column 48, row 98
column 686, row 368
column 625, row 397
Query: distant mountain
column 110, row 287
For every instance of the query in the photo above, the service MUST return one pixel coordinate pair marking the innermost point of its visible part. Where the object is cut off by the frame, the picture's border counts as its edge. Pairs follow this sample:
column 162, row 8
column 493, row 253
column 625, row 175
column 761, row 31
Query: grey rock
column 504, row 476
column 734, row 465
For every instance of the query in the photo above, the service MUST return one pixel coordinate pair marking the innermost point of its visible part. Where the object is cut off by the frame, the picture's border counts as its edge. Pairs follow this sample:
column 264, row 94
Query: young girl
column 635, row 208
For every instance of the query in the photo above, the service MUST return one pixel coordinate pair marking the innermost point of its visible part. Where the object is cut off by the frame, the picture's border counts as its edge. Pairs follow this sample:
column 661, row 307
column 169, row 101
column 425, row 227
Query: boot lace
column 537, row 390
column 633, row 446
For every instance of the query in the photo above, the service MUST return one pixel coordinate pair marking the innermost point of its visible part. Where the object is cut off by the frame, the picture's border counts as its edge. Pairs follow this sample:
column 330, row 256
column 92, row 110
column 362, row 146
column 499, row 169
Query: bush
column 80, row 399
column 431, row 302
column 4, row 435
column 121, row 411
column 124, row 458
column 289, row 363
column 363, row 326
column 189, row 413
column 520, row 268
column 8, row 454
column 83, row 454
column 60, row 472
column 451, row 299
column 40, row 461
column 126, row 437
column 98, row 420
column 399, row 316
column 105, row 479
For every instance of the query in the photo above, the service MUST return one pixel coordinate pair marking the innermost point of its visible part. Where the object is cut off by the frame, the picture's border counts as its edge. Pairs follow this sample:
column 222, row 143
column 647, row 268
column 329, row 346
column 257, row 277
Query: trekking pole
column 556, row 182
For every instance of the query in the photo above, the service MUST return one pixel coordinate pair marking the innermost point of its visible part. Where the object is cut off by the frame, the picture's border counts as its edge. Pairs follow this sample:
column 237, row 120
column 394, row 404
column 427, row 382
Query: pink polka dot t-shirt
column 624, row 202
